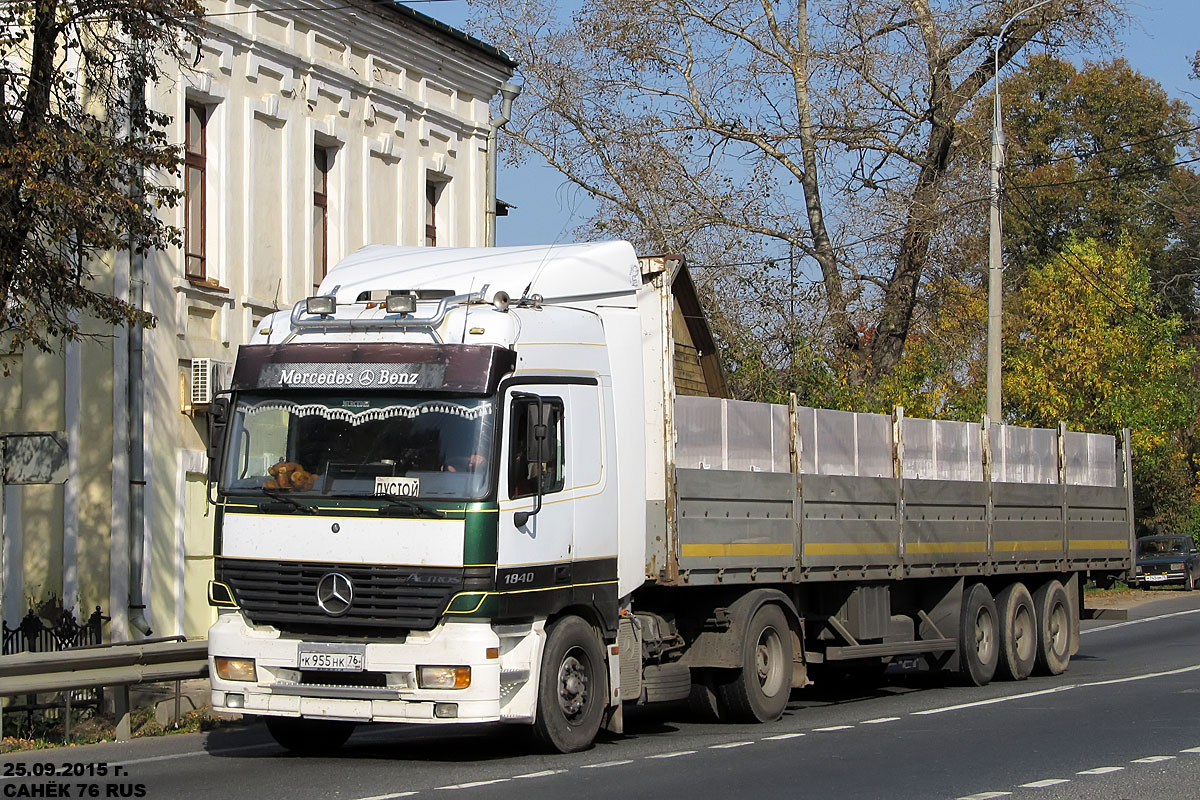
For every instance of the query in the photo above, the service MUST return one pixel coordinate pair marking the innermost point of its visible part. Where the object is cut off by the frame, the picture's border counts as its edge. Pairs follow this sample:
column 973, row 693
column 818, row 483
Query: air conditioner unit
column 207, row 377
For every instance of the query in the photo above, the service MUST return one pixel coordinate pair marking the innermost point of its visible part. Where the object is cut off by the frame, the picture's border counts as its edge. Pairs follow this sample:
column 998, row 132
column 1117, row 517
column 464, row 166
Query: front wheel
column 309, row 737
column 759, row 691
column 572, row 688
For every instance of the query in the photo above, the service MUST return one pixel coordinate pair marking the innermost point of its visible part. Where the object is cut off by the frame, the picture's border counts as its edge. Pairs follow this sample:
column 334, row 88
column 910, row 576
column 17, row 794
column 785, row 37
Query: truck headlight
column 443, row 677
column 236, row 669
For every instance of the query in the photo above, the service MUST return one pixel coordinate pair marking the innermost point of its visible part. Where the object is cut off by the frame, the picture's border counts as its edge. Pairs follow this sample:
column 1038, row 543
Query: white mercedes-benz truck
column 504, row 484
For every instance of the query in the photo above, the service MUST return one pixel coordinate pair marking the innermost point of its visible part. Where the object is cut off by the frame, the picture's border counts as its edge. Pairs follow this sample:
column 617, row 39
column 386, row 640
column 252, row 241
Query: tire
column 978, row 636
column 1052, row 609
column 1018, row 632
column 759, row 691
column 572, row 687
column 309, row 737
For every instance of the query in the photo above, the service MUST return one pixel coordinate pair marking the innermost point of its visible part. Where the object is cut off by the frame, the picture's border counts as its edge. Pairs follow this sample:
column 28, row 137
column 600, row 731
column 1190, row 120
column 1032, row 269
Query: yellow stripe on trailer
column 946, row 547
column 735, row 549
column 850, row 549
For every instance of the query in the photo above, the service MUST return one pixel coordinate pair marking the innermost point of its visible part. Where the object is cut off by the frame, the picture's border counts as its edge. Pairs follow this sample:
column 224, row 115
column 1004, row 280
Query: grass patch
column 45, row 730
column 1116, row 590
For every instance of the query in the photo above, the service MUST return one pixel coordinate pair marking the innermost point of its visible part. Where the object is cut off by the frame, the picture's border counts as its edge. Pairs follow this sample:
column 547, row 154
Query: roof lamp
column 401, row 304
column 321, row 305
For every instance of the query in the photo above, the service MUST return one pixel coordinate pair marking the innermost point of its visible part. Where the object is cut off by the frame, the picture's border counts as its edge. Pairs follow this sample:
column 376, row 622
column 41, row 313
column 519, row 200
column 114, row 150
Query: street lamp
column 995, row 256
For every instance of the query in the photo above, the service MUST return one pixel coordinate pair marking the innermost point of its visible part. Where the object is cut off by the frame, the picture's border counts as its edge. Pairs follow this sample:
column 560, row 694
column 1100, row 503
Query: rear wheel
column 759, row 691
column 978, row 634
column 1018, row 632
column 1052, row 609
column 572, row 688
column 309, row 737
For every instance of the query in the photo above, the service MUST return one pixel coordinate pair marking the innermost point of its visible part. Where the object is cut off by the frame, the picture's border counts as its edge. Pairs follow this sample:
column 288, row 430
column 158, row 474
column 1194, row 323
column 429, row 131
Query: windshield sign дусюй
column 360, row 445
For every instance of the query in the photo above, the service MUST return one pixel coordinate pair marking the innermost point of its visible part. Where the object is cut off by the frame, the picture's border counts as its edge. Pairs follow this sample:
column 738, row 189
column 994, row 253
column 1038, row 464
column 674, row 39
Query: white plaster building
column 311, row 130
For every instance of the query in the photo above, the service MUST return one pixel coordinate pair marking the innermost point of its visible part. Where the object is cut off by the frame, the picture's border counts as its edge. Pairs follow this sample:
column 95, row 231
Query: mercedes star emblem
column 335, row 594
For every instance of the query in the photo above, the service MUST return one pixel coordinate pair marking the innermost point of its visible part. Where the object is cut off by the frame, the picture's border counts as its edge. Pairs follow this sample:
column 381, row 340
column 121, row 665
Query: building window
column 322, row 162
column 195, row 155
column 433, row 193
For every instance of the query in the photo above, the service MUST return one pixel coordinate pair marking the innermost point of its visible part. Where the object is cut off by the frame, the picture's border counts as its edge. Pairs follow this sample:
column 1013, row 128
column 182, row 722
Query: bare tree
column 826, row 130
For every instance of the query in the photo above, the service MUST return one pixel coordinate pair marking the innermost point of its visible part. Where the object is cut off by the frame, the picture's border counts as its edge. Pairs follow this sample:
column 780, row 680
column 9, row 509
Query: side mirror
column 218, row 422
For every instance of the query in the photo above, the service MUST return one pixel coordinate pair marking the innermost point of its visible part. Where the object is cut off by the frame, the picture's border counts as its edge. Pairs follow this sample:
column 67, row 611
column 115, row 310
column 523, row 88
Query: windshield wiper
column 285, row 504
column 398, row 504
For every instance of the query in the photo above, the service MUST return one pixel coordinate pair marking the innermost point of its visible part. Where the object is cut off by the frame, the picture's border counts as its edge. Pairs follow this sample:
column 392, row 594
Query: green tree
column 1086, row 346
column 84, row 165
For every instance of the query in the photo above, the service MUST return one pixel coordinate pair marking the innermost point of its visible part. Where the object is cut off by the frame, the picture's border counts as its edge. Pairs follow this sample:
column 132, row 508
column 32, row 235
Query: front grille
column 387, row 598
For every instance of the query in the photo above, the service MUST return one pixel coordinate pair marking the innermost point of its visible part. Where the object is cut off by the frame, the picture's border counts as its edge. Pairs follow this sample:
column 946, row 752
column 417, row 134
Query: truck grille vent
column 387, row 598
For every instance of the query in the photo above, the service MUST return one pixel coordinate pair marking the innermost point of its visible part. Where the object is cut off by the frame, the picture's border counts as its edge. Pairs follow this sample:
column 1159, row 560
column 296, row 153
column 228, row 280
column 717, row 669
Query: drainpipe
column 135, row 394
column 508, row 93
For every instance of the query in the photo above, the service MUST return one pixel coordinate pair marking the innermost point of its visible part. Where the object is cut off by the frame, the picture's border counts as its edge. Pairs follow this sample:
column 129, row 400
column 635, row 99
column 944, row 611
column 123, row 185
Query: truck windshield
column 360, row 444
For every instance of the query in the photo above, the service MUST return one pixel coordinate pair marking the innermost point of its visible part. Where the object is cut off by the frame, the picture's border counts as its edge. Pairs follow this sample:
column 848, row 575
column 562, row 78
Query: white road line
column 1139, row 621
column 1151, row 759
column 833, row 728
column 1042, row 784
column 1100, row 771
column 880, row 720
column 474, row 784
column 674, row 755
column 985, row 795
column 780, row 736
column 728, row 745
column 608, row 764
column 387, row 796
column 1191, row 750
column 1068, row 687
column 543, row 774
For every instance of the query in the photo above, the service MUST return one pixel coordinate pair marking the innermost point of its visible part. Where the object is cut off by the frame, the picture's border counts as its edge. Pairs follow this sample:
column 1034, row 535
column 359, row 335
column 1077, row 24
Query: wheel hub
column 572, row 687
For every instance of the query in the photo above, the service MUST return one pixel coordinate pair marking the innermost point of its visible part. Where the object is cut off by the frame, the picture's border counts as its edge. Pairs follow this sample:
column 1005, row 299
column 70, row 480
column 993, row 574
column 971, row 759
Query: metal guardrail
column 116, row 665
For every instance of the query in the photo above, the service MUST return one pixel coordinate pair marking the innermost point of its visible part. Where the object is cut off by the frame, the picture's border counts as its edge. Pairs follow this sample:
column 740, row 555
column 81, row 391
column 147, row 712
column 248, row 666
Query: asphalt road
column 1123, row 722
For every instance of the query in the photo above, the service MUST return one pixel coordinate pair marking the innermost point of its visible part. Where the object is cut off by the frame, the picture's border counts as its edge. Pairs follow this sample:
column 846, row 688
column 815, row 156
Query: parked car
column 1166, row 559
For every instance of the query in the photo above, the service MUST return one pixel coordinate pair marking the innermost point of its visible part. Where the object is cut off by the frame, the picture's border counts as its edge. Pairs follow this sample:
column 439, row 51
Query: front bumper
column 280, row 689
column 1157, row 578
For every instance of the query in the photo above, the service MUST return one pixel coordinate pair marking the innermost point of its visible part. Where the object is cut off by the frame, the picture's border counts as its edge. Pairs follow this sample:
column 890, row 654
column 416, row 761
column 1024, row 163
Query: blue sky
column 1163, row 35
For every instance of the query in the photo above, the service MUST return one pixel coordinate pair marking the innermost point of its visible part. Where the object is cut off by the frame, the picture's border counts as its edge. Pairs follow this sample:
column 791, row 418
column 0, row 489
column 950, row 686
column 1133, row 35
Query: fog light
column 443, row 677
column 445, row 710
column 236, row 669
column 235, row 700
column 401, row 304
column 320, row 305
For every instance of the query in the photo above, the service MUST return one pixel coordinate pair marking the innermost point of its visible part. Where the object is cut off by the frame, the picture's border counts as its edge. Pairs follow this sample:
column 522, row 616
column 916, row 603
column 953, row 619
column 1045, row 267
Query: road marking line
column 985, row 795
column 1191, row 750
column 1042, row 784
column 474, row 784
column 1100, row 771
column 673, row 755
column 608, row 764
column 388, row 796
column 1151, row 759
column 880, row 720
column 780, row 736
column 1140, row 621
column 543, row 774
column 833, row 728
column 728, row 745
column 1055, row 689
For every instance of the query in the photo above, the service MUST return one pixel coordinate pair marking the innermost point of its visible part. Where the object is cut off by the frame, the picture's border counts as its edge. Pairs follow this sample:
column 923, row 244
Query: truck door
column 535, row 537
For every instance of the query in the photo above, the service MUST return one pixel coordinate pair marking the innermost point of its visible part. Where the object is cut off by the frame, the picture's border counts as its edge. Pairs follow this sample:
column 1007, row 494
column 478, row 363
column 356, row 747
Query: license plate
column 1155, row 578
column 339, row 658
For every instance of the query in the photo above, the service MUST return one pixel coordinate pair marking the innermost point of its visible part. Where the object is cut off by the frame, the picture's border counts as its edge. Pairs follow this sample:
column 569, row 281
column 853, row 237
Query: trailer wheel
column 572, row 688
column 759, row 691
column 1018, row 632
column 978, row 635
column 1052, row 608
column 309, row 737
